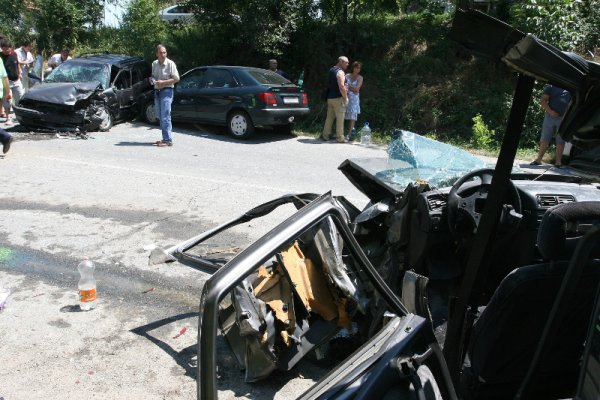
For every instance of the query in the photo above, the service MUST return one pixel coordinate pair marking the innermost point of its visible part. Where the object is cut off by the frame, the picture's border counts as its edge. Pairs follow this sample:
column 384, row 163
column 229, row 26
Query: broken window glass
column 415, row 158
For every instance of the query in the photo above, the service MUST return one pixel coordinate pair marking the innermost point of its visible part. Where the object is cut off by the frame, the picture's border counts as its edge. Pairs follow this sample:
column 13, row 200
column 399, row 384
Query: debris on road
column 4, row 293
column 181, row 332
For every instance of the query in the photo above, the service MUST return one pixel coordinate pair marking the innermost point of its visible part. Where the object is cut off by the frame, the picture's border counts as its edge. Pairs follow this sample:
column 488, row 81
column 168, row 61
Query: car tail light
column 267, row 98
column 304, row 98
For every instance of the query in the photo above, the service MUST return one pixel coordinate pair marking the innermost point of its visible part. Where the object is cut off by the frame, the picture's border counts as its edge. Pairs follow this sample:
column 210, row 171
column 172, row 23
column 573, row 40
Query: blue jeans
column 162, row 104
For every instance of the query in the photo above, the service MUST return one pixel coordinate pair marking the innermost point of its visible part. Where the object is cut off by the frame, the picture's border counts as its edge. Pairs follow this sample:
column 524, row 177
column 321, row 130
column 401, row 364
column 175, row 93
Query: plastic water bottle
column 365, row 134
column 87, row 285
column 301, row 79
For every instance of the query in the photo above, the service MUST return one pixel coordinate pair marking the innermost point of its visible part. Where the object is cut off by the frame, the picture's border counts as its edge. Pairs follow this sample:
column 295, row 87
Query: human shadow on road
column 135, row 144
column 186, row 358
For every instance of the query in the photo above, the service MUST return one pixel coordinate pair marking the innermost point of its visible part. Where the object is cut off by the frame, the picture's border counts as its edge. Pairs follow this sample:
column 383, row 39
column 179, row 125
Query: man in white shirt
column 25, row 59
column 59, row 58
column 164, row 77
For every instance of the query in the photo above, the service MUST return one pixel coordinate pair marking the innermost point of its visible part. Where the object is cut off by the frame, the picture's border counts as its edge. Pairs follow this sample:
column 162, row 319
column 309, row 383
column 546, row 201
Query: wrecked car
column 88, row 93
column 456, row 281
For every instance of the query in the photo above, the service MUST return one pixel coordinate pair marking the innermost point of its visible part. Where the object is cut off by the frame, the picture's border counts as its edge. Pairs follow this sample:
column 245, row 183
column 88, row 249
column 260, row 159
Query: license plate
column 290, row 100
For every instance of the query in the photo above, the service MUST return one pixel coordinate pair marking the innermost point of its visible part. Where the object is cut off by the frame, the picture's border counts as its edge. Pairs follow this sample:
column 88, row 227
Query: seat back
column 505, row 337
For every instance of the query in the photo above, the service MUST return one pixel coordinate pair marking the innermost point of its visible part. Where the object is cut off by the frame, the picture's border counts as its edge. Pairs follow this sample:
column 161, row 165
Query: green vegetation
column 415, row 77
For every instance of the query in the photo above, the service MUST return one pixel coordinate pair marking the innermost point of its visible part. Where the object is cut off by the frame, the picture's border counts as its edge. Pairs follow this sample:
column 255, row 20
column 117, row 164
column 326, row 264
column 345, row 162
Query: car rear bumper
column 277, row 116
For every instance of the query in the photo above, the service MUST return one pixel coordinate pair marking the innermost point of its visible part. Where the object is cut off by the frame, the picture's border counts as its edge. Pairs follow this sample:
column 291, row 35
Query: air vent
column 436, row 202
column 545, row 201
column 565, row 199
column 550, row 200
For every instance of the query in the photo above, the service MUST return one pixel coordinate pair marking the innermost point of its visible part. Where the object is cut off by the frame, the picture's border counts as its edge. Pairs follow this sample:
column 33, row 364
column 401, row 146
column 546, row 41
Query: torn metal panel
column 309, row 283
column 256, row 326
column 64, row 93
column 329, row 243
column 276, row 291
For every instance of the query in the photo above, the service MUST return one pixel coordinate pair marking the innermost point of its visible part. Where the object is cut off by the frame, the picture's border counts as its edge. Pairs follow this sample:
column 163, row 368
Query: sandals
column 164, row 144
column 535, row 162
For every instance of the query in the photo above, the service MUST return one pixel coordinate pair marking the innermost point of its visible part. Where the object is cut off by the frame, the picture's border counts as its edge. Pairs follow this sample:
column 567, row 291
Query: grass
column 525, row 154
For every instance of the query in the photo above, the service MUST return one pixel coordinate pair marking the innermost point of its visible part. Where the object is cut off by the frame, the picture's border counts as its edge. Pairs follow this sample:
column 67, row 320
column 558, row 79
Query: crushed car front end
column 62, row 106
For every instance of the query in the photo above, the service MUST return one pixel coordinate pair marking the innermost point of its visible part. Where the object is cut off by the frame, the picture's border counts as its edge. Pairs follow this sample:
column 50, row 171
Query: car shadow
column 220, row 133
column 185, row 358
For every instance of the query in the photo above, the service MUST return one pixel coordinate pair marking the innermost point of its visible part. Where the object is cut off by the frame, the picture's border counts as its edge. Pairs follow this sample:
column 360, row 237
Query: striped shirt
column 167, row 70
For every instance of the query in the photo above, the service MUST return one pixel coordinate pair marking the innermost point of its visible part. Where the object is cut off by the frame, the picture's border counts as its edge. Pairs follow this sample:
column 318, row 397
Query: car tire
column 240, row 125
column 106, row 119
column 149, row 113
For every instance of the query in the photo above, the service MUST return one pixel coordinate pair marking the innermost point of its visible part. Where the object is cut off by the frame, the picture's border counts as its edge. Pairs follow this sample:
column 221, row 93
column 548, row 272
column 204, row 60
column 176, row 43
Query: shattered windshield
column 73, row 71
column 413, row 158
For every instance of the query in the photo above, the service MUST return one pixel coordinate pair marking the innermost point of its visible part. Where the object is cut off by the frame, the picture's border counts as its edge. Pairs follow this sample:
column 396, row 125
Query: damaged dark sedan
column 457, row 281
column 88, row 93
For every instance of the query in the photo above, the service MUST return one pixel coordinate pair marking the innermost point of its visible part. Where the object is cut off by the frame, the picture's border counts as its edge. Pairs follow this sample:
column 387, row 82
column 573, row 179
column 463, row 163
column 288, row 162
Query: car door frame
column 124, row 96
column 186, row 101
column 246, row 262
column 218, row 101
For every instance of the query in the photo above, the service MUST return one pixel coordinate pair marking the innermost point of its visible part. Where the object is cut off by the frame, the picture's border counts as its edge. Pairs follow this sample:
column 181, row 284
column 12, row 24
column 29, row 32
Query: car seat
column 505, row 337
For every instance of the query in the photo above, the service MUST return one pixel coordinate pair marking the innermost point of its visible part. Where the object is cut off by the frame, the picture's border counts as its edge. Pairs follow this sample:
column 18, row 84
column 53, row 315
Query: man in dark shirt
column 273, row 67
column 337, row 100
column 554, row 101
column 13, row 70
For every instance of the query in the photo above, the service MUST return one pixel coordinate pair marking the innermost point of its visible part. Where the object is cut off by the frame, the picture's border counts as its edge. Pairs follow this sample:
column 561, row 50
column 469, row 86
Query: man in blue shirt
column 555, row 102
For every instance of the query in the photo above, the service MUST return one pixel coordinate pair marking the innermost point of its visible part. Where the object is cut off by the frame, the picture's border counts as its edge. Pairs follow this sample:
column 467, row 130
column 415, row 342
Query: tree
column 55, row 23
column 562, row 23
column 58, row 23
column 142, row 28
column 254, row 26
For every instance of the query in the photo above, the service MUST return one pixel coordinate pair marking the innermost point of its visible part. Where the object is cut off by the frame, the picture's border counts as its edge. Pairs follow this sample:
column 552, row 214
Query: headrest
column 557, row 238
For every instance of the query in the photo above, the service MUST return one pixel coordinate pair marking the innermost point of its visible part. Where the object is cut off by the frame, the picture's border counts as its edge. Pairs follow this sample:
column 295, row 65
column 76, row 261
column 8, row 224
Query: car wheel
column 149, row 112
column 240, row 125
column 106, row 119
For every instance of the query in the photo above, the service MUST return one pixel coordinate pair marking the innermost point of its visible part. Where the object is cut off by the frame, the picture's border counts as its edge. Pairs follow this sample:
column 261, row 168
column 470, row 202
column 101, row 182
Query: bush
column 482, row 135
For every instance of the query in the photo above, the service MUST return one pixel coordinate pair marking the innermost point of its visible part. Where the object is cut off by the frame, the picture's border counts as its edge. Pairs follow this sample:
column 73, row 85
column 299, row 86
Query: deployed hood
column 66, row 93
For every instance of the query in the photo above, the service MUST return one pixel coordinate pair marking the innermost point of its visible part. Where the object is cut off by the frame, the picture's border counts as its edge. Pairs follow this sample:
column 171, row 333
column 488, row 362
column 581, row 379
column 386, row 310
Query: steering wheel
column 467, row 199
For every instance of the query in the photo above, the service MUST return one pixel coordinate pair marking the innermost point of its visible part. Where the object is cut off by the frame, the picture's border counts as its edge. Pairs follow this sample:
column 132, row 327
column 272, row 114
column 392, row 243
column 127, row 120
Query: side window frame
column 125, row 76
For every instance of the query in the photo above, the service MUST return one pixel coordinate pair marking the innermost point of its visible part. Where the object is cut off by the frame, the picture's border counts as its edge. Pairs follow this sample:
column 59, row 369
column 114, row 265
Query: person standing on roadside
column 354, row 81
column 59, row 58
column 554, row 101
column 273, row 67
column 337, row 100
column 5, row 138
column 164, row 77
column 25, row 59
column 13, row 70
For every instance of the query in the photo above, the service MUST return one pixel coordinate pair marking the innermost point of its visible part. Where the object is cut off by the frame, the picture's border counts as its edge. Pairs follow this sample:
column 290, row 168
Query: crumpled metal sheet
column 62, row 92
column 276, row 291
column 415, row 158
column 257, row 326
column 309, row 283
column 329, row 244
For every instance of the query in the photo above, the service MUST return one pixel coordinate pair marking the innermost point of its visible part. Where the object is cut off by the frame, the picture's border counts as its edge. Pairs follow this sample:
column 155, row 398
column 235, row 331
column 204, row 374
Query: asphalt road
column 111, row 197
